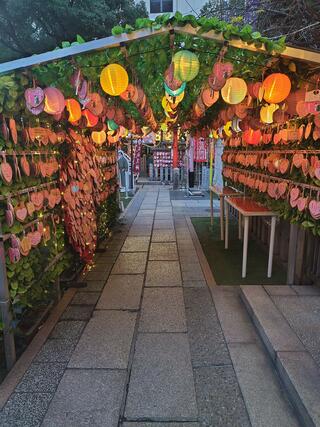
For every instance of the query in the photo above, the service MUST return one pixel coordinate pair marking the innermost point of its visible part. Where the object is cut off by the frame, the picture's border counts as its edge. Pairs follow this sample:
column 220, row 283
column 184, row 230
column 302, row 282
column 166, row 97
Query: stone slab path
column 143, row 346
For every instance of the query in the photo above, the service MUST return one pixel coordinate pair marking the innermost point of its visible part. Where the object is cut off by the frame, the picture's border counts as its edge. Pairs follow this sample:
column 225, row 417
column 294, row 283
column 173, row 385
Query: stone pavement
column 143, row 344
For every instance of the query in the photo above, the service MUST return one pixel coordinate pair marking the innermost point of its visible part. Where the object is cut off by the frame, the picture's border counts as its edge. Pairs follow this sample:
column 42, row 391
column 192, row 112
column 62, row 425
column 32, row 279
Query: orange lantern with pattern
column 276, row 88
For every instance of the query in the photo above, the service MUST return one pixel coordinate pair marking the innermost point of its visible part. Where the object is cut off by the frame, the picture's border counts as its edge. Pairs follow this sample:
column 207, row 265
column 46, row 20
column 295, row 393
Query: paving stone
column 136, row 244
column 307, row 290
column 161, row 385
column 87, row 398
column 94, row 285
column 260, row 387
column 193, row 275
column 25, row 409
column 130, row 263
column 303, row 315
column 56, row 351
column 122, row 292
column 163, row 236
column 274, row 330
column 194, row 284
column 207, row 344
column 160, row 224
column 141, row 424
column 301, row 377
column 163, row 252
column 85, row 298
column 277, row 290
column 162, row 310
column 102, row 268
column 41, row 378
column 219, row 398
column 68, row 330
column 140, row 231
column 77, row 312
column 105, row 342
column 163, row 216
column 95, row 275
column 235, row 321
column 163, row 273
column 192, row 266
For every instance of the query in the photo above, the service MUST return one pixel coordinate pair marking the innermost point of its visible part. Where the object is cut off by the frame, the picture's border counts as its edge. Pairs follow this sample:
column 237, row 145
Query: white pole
column 245, row 246
column 271, row 245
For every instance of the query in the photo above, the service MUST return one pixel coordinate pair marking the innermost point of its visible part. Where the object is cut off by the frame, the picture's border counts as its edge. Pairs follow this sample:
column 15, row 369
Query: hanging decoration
column 114, row 79
column 276, row 88
column 74, row 109
column 186, row 65
column 234, row 91
column 54, row 102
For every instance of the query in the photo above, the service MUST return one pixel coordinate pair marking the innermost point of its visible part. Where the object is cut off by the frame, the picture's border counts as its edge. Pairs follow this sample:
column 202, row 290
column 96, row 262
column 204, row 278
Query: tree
column 298, row 20
column 34, row 26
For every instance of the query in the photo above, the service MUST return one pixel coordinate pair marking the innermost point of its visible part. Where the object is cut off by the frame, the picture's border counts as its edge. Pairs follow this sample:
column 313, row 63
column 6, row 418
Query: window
column 161, row 6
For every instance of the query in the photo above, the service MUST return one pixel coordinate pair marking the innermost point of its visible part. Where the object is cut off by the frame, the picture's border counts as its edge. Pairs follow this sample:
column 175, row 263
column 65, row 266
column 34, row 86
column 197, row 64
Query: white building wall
column 185, row 7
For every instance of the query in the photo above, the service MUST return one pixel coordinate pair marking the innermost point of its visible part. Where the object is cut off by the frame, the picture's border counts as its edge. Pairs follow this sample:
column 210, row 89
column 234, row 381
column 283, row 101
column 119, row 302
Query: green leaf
column 65, row 44
column 256, row 35
column 80, row 39
column 117, row 30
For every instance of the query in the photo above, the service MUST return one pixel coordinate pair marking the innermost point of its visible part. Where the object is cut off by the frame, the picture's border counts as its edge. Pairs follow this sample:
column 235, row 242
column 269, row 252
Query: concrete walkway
column 144, row 345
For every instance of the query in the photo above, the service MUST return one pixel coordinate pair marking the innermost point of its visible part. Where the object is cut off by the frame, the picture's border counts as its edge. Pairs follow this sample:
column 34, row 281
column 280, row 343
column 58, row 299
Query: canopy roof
column 146, row 52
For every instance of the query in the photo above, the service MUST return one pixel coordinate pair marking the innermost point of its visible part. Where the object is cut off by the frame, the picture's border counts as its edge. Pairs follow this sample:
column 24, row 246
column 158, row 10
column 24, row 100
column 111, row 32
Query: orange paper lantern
column 74, row 109
column 234, row 91
column 276, row 88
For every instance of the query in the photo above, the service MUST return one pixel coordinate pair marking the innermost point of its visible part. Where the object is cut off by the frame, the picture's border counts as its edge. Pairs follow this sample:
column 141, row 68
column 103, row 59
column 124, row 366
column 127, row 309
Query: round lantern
column 74, row 109
column 114, row 79
column 266, row 113
column 91, row 119
column 54, row 101
column 98, row 137
column 186, row 65
column 276, row 88
column 234, row 91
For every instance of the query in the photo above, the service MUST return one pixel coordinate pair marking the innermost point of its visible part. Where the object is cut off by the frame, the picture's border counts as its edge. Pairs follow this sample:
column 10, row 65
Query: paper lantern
column 74, row 109
column 266, row 113
column 234, row 91
column 114, row 79
column 276, row 88
column 186, row 65
column 54, row 101
column 99, row 137
column 91, row 119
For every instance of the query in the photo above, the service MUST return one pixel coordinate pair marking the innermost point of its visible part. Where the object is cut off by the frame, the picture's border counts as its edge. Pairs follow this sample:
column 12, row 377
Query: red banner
column 200, row 149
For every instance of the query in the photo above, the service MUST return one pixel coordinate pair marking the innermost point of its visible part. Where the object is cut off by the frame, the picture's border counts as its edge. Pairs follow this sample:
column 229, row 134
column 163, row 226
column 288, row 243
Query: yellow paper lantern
column 186, row 65
column 276, row 88
column 114, row 79
column 99, row 137
column 234, row 91
column 266, row 113
column 74, row 109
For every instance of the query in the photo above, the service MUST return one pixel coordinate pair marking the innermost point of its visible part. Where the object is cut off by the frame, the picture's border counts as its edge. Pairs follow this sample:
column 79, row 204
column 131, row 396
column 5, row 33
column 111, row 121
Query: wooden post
column 5, row 307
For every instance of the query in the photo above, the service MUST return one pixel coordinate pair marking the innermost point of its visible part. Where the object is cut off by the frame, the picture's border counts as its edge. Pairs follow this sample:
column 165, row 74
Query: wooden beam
column 289, row 52
column 94, row 45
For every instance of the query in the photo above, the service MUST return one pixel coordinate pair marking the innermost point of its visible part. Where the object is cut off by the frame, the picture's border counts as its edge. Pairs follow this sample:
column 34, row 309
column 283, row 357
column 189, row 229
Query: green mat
column 226, row 265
